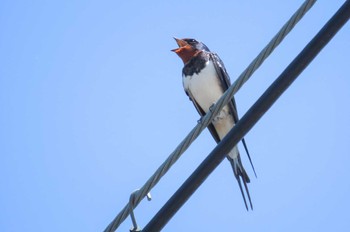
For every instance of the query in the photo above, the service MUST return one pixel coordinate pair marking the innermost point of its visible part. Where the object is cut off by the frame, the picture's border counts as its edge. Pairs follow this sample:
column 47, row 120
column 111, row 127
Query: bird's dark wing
column 201, row 112
column 225, row 82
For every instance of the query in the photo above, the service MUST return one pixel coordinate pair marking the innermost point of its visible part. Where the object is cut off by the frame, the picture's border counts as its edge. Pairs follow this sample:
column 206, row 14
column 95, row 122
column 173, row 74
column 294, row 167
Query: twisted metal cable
column 206, row 120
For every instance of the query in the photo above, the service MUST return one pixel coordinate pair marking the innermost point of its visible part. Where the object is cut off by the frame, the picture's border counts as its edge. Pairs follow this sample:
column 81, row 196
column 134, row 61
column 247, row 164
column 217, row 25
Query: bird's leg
column 211, row 108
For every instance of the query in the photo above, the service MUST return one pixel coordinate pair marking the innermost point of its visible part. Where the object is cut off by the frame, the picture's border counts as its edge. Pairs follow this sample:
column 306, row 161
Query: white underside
column 205, row 89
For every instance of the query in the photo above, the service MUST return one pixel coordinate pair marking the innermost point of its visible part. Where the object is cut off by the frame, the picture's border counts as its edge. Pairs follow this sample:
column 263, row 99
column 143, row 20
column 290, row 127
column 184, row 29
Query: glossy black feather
column 225, row 81
column 194, row 66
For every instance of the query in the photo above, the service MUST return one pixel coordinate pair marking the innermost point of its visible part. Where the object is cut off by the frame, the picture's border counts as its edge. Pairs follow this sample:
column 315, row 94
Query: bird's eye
column 191, row 41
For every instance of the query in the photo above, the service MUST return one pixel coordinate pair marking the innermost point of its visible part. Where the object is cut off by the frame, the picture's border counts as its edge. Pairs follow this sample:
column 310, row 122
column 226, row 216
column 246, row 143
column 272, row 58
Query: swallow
column 205, row 79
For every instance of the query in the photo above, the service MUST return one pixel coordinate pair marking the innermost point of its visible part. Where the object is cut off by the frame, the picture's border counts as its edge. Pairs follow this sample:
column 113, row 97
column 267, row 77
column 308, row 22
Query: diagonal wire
column 250, row 118
column 205, row 121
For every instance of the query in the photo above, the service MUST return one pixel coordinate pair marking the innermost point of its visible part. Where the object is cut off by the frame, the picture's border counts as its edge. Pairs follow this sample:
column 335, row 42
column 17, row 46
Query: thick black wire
column 250, row 118
column 137, row 196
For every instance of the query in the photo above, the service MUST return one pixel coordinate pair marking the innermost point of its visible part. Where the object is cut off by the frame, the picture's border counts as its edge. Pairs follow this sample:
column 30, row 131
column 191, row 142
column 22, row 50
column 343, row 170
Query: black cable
column 250, row 118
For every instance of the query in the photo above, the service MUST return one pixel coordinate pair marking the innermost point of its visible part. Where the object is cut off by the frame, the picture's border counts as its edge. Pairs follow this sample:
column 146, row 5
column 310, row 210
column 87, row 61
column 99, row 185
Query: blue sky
column 92, row 103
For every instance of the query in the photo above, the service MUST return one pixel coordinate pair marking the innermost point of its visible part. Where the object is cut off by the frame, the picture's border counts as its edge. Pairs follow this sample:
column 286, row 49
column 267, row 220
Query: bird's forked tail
column 240, row 174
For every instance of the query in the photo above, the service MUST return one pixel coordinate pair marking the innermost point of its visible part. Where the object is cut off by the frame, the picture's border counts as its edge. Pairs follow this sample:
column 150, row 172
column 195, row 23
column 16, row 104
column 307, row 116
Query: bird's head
column 189, row 48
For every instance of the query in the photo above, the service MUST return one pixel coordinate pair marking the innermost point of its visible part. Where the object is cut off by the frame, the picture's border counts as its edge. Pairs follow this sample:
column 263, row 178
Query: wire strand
column 250, row 118
column 205, row 121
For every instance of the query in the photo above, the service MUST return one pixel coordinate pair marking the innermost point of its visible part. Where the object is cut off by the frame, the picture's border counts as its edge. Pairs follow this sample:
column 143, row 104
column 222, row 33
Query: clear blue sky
column 92, row 103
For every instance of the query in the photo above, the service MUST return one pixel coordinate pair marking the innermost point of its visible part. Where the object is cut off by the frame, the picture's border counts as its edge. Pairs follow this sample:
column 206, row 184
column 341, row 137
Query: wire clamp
column 132, row 201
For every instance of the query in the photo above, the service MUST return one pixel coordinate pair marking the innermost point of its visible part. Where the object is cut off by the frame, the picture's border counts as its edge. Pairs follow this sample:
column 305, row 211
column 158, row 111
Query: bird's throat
column 186, row 53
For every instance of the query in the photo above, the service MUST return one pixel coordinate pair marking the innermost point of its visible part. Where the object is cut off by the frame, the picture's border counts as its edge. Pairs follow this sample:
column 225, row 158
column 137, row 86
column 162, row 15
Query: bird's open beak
column 181, row 43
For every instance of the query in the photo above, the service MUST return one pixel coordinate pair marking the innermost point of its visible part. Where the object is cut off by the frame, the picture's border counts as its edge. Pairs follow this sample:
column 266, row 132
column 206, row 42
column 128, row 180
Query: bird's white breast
column 204, row 86
column 205, row 89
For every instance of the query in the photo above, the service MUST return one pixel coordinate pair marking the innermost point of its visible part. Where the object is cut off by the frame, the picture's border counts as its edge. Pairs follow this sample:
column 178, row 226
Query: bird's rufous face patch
column 185, row 51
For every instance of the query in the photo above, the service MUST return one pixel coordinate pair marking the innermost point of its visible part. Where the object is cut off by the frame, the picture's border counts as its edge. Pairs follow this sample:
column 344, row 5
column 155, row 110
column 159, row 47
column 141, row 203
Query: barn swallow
column 205, row 79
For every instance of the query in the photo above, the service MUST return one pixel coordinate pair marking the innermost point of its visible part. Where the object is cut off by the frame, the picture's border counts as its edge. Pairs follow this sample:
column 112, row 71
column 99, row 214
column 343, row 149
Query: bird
column 205, row 79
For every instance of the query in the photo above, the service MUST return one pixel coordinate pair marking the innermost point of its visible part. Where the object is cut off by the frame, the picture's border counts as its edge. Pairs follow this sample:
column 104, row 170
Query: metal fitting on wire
column 132, row 201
